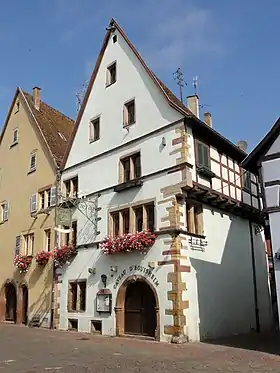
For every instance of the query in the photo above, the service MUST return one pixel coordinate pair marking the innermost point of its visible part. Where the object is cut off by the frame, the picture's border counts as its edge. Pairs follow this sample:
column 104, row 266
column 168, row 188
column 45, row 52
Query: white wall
column 223, row 272
column 152, row 109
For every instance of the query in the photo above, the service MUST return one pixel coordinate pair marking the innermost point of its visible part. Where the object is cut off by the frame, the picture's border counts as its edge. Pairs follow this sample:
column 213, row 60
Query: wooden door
column 24, row 305
column 11, row 302
column 140, row 312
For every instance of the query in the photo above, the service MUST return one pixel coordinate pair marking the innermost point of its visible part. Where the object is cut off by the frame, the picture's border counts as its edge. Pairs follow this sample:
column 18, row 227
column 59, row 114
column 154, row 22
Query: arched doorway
column 137, row 311
column 24, row 304
column 11, row 302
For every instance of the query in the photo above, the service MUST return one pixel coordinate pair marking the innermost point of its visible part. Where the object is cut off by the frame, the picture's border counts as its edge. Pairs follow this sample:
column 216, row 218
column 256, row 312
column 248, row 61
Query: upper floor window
column 4, row 210
column 203, row 155
column 47, row 240
column 71, row 187
column 28, row 244
column 129, row 113
column 47, row 198
column 94, row 130
column 133, row 219
column 33, row 161
column 111, row 77
column 15, row 136
column 130, row 168
column 246, row 179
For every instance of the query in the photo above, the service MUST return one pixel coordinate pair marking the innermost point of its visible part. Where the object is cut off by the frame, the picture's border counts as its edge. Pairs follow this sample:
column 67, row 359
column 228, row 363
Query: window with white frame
column 47, row 198
column 71, row 187
column 47, row 242
column 28, row 241
column 4, row 211
column 33, row 203
column 33, row 161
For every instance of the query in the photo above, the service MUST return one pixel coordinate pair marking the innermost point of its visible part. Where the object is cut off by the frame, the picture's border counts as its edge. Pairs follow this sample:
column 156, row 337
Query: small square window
column 33, row 161
column 115, row 38
column 94, row 130
column 129, row 113
column 111, row 74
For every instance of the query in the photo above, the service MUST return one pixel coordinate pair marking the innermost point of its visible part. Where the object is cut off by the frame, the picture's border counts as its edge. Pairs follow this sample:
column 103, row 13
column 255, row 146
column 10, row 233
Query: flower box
column 22, row 262
column 139, row 241
column 43, row 257
column 62, row 255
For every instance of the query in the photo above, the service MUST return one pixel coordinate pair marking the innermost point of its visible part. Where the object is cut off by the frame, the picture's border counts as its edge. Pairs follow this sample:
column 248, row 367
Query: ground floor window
column 77, row 296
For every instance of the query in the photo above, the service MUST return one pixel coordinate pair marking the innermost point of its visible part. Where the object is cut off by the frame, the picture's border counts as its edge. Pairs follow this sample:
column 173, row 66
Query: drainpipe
column 57, row 184
column 256, row 300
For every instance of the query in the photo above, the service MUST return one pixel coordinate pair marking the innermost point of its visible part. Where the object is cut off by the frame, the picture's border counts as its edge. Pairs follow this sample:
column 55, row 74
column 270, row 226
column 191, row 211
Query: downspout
column 256, row 300
column 57, row 184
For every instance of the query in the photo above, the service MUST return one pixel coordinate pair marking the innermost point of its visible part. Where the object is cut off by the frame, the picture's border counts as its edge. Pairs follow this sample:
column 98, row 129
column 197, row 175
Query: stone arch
column 120, row 305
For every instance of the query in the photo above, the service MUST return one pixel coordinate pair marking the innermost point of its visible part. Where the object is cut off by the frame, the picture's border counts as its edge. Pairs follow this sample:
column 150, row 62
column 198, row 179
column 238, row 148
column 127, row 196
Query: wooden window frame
column 126, row 120
column 74, row 303
column 194, row 218
column 28, row 244
column 94, row 129
column 132, row 167
column 132, row 218
column 109, row 80
column 47, row 239
column 246, row 181
column 73, row 187
column 69, row 238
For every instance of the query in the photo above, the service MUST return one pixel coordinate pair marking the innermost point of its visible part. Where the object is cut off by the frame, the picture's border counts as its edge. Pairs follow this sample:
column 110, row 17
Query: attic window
column 62, row 136
column 115, row 38
column 15, row 136
column 111, row 77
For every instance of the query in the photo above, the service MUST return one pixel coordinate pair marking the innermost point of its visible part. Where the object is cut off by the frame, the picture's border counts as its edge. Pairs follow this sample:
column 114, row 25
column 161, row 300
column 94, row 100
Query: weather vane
column 81, row 94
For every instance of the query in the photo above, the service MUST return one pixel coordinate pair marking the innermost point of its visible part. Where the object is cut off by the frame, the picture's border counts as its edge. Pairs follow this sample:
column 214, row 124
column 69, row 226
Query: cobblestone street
column 37, row 350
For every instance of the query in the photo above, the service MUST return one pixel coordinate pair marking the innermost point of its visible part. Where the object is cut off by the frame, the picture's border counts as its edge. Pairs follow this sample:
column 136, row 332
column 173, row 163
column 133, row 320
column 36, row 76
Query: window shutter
column 200, row 154
column 33, row 203
column 206, row 156
column 5, row 211
column 53, row 196
column 17, row 248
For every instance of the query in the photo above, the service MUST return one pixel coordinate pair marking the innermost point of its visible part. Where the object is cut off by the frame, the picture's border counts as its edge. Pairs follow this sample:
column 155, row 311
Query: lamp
column 92, row 271
column 104, row 280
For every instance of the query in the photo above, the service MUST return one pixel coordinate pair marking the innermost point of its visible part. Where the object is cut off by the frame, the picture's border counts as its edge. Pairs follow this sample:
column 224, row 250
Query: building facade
column 139, row 159
column 264, row 160
column 32, row 144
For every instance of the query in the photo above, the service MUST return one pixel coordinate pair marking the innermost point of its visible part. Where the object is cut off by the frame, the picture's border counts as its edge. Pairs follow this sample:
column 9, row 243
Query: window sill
column 13, row 144
column 128, row 185
column 75, row 311
column 31, row 171
column 44, row 211
column 205, row 171
column 91, row 140
column 195, row 235
column 126, row 125
column 110, row 84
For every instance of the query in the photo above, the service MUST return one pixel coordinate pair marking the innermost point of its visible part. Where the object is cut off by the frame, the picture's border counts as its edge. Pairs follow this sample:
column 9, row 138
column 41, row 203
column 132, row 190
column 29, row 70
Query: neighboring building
column 32, row 145
column 141, row 159
column 264, row 160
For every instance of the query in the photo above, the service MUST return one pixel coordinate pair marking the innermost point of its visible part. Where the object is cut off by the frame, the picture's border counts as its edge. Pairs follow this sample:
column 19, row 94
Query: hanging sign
column 146, row 271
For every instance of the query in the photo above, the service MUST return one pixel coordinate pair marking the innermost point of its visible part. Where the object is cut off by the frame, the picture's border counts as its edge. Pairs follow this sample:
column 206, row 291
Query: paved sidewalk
column 28, row 350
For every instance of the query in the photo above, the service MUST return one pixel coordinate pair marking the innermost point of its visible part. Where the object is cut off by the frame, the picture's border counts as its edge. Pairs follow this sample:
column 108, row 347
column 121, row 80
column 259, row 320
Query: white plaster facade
column 219, row 285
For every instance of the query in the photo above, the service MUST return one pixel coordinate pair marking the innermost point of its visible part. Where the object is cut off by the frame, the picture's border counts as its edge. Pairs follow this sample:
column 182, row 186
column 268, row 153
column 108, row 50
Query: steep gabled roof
column 55, row 128
column 173, row 101
column 252, row 160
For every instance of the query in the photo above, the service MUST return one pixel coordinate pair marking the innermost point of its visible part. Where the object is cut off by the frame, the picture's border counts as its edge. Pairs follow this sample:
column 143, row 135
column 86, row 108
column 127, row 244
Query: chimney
column 208, row 119
column 193, row 105
column 36, row 97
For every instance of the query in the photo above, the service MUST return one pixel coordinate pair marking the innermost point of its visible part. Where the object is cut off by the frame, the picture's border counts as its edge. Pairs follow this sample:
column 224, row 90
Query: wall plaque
column 104, row 301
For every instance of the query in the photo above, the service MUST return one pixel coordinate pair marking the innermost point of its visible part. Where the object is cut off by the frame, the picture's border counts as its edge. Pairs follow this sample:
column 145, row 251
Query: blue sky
column 232, row 46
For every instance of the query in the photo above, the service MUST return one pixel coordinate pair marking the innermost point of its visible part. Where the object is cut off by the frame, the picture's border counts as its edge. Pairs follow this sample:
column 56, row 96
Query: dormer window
column 111, row 77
